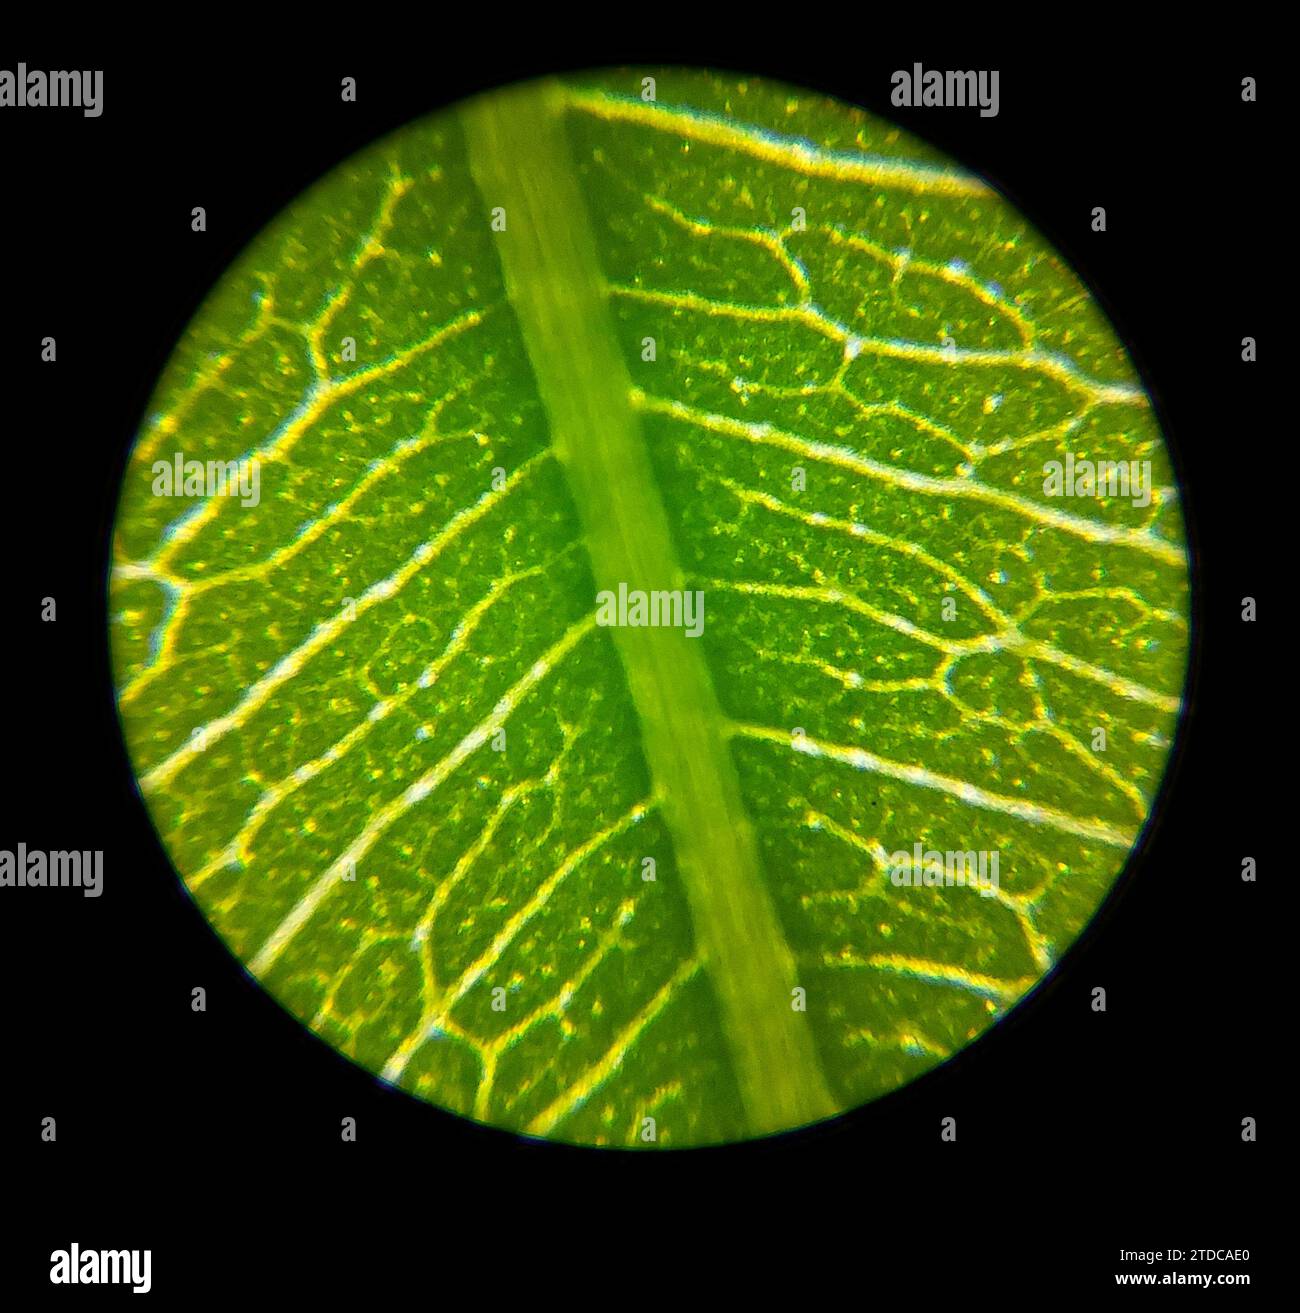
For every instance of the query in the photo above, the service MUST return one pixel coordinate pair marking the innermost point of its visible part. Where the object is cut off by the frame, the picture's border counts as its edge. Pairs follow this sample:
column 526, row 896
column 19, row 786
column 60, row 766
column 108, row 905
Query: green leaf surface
column 413, row 782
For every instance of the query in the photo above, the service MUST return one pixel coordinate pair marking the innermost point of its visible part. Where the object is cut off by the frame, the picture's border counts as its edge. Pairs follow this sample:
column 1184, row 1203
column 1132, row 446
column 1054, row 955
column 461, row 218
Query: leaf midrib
column 520, row 161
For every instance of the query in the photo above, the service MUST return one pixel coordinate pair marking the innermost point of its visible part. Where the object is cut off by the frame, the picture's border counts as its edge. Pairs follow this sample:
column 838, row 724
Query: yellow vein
column 276, row 794
column 1014, row 641
column 940, row 973
column 768, row 435
column 166, row 423
column 905, row 262
column 811, row 316
column 554, row 1008
column 1021, row 906
column 203, row 737
column 764, row 238
column 508, row 933
column 188, row 589
column 369, row 248
column 832, row 596
column 596, row 1075
column 432, row 779
column 971, row 794
column 1009, row 639
column 819, row 520
column 787, row 152
column 315, row 402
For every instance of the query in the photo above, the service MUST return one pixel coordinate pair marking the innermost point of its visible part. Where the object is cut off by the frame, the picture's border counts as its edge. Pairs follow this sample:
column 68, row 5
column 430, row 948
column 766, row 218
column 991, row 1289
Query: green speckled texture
column 407, row 777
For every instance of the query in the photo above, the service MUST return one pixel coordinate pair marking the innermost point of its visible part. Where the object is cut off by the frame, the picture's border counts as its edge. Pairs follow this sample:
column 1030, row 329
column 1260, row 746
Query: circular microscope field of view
column 649, row 611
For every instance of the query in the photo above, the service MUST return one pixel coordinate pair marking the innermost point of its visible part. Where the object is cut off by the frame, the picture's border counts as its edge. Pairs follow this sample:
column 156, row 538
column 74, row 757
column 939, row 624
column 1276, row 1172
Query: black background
column 213, row 1139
